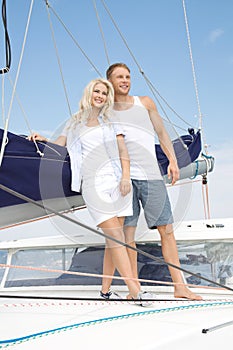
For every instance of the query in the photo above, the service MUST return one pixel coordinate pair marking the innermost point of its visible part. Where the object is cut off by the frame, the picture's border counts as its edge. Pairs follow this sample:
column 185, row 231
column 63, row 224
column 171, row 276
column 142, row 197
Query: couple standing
column 112, row 151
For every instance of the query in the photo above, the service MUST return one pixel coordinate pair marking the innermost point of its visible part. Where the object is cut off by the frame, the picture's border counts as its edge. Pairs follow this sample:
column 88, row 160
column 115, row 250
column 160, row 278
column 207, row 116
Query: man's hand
column 173, row 172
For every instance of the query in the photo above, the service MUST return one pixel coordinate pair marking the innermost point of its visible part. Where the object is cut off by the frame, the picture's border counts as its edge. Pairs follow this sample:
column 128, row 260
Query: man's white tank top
column 140, row 141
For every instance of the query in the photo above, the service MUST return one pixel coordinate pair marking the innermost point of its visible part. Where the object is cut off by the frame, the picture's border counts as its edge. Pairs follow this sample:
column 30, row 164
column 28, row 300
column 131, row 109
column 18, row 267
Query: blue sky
column 156, row 35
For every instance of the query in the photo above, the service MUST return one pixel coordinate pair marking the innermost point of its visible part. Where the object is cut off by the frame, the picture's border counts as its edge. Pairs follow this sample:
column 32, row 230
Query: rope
column 183, row 183
column 27, row 199
column 7, row 41
column 204, row 202
column 96, row 275
column 205, row 192
column 3, row 99
column 74, row 300
column 205, row 195
column 207, row 200
column 196, row 172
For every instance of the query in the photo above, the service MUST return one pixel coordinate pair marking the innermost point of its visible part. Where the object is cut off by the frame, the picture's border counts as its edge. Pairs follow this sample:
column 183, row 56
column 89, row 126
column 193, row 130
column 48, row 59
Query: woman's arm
column 125, row 184
column 61, row 140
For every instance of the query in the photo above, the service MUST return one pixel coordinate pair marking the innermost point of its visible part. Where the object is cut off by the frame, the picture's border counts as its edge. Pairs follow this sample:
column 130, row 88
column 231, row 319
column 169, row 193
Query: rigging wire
column 73, row 38
column 149, row 83
column 7, row 41
column 25, row 118
column 101, row 31
column 205, row 146
column 58, row 58
column 4, row 139
column 192, row 64
column 152, row 88
column 6, row 70
column 193, row 73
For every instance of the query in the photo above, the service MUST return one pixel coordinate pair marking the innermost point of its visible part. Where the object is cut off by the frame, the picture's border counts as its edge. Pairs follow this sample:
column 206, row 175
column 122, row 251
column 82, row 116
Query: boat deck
column 28, row 323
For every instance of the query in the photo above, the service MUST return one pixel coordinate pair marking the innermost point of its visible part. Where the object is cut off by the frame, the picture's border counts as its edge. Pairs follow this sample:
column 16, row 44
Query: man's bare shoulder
column 147, row 102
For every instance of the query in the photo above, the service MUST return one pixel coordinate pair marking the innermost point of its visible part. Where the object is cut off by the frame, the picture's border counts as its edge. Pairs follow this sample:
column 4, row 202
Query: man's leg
column 130, row 225
column 170, row 254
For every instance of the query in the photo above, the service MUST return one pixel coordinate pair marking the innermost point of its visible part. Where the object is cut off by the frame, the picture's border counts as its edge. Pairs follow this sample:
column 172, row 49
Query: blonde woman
column 100, row 164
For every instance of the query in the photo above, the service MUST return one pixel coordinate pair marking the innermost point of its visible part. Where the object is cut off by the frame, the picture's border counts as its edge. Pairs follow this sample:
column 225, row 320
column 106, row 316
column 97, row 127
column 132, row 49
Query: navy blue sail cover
column 25, row 171
column 187, row 149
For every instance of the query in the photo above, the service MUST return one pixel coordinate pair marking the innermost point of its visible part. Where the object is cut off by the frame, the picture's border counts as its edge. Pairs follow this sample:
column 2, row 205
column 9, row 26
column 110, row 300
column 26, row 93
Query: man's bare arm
column 164, row 139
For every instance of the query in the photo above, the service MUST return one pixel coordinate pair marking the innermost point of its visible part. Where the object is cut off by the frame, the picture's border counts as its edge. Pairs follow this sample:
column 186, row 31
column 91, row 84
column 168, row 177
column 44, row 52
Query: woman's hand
column 36, row 137
column 125, row 186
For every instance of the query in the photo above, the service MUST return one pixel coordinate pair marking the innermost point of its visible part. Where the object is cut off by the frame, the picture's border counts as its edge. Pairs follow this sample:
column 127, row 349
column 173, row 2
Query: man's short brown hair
column 113, row 66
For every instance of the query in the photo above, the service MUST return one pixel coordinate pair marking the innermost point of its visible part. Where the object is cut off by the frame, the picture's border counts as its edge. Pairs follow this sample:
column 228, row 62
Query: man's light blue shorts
column 153, row 196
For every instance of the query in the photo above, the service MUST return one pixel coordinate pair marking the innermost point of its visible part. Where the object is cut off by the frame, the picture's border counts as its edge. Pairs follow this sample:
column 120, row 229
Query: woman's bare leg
column 108, row 270
column 116, row 256
column 108, row 266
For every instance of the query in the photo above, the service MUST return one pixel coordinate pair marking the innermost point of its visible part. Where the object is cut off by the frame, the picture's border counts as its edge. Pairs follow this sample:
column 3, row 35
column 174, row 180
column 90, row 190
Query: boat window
column 36, row 266
column 3, row 260
column 211, row 260
column 87, row 260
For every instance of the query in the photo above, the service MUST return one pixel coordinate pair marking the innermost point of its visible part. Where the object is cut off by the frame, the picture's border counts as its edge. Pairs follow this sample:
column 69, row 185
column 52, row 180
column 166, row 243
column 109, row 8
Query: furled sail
column 187, row 149
column 44, row 178
column 190, row 160
column 49, row 176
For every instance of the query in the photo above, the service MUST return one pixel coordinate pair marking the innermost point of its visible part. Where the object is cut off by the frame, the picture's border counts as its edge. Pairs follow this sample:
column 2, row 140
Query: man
column 141, row 120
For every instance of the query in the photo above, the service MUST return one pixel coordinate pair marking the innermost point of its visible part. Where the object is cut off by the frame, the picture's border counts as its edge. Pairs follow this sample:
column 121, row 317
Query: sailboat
column 51, row 258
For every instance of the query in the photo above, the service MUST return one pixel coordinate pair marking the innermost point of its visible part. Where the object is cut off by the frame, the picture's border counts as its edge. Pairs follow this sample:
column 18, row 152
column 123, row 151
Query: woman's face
column 99, row 95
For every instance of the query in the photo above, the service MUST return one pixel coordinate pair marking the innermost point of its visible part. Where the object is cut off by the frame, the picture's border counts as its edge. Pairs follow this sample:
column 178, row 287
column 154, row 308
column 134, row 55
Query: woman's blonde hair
column 85, row 102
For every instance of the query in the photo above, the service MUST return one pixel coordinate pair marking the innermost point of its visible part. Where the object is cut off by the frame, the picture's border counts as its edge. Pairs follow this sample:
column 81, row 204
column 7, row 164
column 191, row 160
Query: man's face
column 120, row 79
